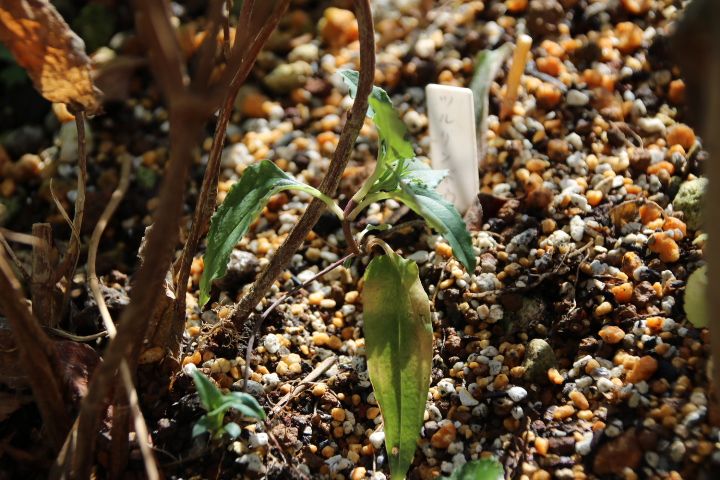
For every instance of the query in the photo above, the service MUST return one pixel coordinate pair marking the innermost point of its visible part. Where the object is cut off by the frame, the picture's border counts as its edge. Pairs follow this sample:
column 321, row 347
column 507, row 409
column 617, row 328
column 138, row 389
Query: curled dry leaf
column 53, row 55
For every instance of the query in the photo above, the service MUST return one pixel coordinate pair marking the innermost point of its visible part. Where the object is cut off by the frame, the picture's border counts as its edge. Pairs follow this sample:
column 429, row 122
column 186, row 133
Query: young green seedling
column 397, row 324
column 217, row 405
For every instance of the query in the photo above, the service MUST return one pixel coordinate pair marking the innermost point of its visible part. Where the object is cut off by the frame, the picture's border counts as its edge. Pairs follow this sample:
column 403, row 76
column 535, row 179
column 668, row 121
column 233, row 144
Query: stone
column 307, row 52
column 288, row 76
column 539, row 358
column 576, row 98
column 689, row 200
column 240, row 269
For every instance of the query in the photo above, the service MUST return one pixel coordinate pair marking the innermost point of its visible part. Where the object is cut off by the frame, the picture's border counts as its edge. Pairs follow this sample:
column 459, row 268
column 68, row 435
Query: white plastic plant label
column 453, row 144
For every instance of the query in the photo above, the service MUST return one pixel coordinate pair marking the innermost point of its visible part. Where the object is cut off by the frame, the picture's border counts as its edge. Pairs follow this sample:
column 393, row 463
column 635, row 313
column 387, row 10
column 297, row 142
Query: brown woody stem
column 208, row 190
column 329, row 185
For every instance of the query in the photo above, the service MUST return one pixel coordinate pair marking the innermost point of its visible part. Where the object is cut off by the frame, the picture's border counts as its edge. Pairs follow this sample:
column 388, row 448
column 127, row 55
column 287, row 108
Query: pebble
column 466, row 398
column 271, row 344
column 377, row 439
column 651, row 125
column 576, row 98
column 517, row 394
column 539, row 358
column 444, row 436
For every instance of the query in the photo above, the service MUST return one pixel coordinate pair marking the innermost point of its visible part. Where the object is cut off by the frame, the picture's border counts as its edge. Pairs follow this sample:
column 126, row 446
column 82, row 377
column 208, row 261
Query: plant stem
column 208, row 190
column 375, row 197
column 37, row 354
column 329, row 185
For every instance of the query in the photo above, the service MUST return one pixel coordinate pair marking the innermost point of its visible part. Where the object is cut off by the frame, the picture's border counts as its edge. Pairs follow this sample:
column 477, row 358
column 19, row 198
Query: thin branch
column 107, row 214
column 134, row 320
column 321, row 368
column 37, row 354
column 329, row 185
column 208, row 190
column 226, row 30
column 128, row 388
column 141, row 432
column 69, row 263
column 153, row 24
column 18, row 264
column 42, row 285
column 208, row 48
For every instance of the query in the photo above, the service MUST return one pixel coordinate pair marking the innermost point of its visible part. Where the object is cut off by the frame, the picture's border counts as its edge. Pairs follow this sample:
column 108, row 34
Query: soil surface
column 566, row 353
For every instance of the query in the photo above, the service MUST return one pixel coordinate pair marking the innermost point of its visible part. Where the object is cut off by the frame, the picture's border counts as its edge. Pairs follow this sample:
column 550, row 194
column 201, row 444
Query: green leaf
column 442, row 216
column 241, row 207
column 201, row 426
column 232, row 429
column 485, row 469
column 394, row 139
column 695, row 298
column 398, row 342
column 487, row 65
column 210, row 395
column 409, row 170
column 242, row 402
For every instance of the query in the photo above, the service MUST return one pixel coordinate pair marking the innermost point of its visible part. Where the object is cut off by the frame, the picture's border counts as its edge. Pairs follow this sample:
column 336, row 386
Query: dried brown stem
column 18, row 264
column 37, row 353
column 107, row 214
column 134, row 320
column 188, row 112
column 208, row 190
column 329, row 185
column 208, row 48
column 69, row 262
column 121, row 410
column 321, row 368
column 42, row 280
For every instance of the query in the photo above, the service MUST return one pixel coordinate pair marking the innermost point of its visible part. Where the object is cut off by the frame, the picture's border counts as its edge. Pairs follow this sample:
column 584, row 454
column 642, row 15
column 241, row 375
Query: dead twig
column 37, row 353
column 42, row 285
column 330, row 182
column 69, row 262
column 18, row 264
column 188, row 112
column 208, row 190
column 107, row 214
column 127, row 383
column 322, row 367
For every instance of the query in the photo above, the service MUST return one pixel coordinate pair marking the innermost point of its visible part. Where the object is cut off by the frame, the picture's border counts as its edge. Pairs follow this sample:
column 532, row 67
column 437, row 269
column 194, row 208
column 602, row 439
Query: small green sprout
column 217, row 404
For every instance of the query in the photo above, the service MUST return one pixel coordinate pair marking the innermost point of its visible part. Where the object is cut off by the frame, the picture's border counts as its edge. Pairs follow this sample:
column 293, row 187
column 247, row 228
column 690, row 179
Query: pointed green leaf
column 485, row 469
column 487, row 65
column 398, row 342
column 442, row 216
column 394, row 138
column 695, row 298
column 241, row 207
column 242, row 402
column 201, row 426
column 210, row 395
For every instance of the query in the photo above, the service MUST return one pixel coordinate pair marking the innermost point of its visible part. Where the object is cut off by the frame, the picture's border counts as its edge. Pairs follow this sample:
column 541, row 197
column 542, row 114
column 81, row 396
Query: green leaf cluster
column 401, row 176
column 217, row 405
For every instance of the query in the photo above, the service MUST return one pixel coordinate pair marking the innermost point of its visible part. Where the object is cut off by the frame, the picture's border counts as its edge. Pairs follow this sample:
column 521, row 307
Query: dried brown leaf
column 53, row 55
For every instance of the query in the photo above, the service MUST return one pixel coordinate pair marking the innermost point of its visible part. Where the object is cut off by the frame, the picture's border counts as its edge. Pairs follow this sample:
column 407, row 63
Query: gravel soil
column 566, row 353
